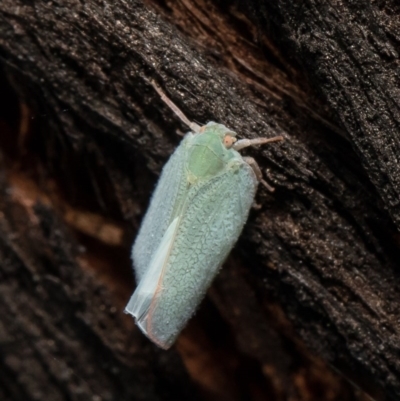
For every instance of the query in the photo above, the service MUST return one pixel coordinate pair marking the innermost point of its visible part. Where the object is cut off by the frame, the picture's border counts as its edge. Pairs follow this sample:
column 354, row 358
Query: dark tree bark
column 311, row 289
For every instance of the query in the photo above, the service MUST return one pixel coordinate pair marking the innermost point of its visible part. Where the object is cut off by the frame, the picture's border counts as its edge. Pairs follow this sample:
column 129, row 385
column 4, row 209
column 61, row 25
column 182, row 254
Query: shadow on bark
column 307, row 305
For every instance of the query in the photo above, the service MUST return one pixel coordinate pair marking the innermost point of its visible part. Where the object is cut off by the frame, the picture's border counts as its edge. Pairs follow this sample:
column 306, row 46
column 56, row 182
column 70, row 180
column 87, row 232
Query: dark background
column 307, row 307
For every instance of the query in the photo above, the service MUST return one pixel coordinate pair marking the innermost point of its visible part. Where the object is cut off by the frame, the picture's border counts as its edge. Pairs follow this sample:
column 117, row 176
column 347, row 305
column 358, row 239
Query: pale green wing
column 193, row 249
column 164, row 203
column 140, row 301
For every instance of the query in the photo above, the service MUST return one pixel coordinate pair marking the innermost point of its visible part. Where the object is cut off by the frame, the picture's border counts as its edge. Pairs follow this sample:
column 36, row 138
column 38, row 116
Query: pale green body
column 196, row 214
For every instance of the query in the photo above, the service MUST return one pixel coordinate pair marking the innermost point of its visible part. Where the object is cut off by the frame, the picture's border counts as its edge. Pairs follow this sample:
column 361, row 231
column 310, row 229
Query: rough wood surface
column 318, row 261
column 350, row 52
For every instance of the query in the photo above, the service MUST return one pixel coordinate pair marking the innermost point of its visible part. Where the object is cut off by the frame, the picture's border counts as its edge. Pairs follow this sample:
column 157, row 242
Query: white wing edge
column 141, row 300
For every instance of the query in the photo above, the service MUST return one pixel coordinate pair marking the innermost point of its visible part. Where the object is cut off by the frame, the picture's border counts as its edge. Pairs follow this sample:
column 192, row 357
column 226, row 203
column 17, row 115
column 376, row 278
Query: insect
column 196, row 215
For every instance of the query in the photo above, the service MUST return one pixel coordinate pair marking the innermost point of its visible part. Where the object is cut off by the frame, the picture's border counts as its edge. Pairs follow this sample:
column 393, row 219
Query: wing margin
column 164, row 205
column 203, row 235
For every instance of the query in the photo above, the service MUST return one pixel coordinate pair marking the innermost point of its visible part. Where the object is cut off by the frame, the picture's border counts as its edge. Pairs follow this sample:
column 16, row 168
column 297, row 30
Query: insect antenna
column 192, row 125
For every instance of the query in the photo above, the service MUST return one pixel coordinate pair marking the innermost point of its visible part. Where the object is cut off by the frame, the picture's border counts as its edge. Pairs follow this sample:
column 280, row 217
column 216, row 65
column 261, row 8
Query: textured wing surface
column 169, row 192
column 208, row 228
column 148, row 287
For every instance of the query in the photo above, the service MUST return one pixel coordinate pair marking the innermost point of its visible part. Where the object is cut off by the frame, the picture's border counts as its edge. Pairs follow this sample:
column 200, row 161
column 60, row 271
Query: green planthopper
column 196, row 214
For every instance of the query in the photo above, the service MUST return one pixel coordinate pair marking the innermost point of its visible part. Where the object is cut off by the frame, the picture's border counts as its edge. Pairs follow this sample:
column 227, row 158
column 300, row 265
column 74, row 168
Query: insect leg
column 244, row 143
column 193, row 126
column 253, row 164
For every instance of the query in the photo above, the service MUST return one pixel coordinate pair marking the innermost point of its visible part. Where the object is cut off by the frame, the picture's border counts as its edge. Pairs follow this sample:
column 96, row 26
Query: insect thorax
column 207, row 156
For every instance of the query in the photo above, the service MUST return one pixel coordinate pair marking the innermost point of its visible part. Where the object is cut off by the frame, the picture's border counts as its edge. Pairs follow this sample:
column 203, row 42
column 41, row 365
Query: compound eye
column 229, row 140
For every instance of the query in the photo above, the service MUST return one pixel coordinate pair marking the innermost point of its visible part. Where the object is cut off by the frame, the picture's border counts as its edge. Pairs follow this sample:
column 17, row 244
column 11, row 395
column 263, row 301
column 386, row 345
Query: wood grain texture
column 319, row 259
